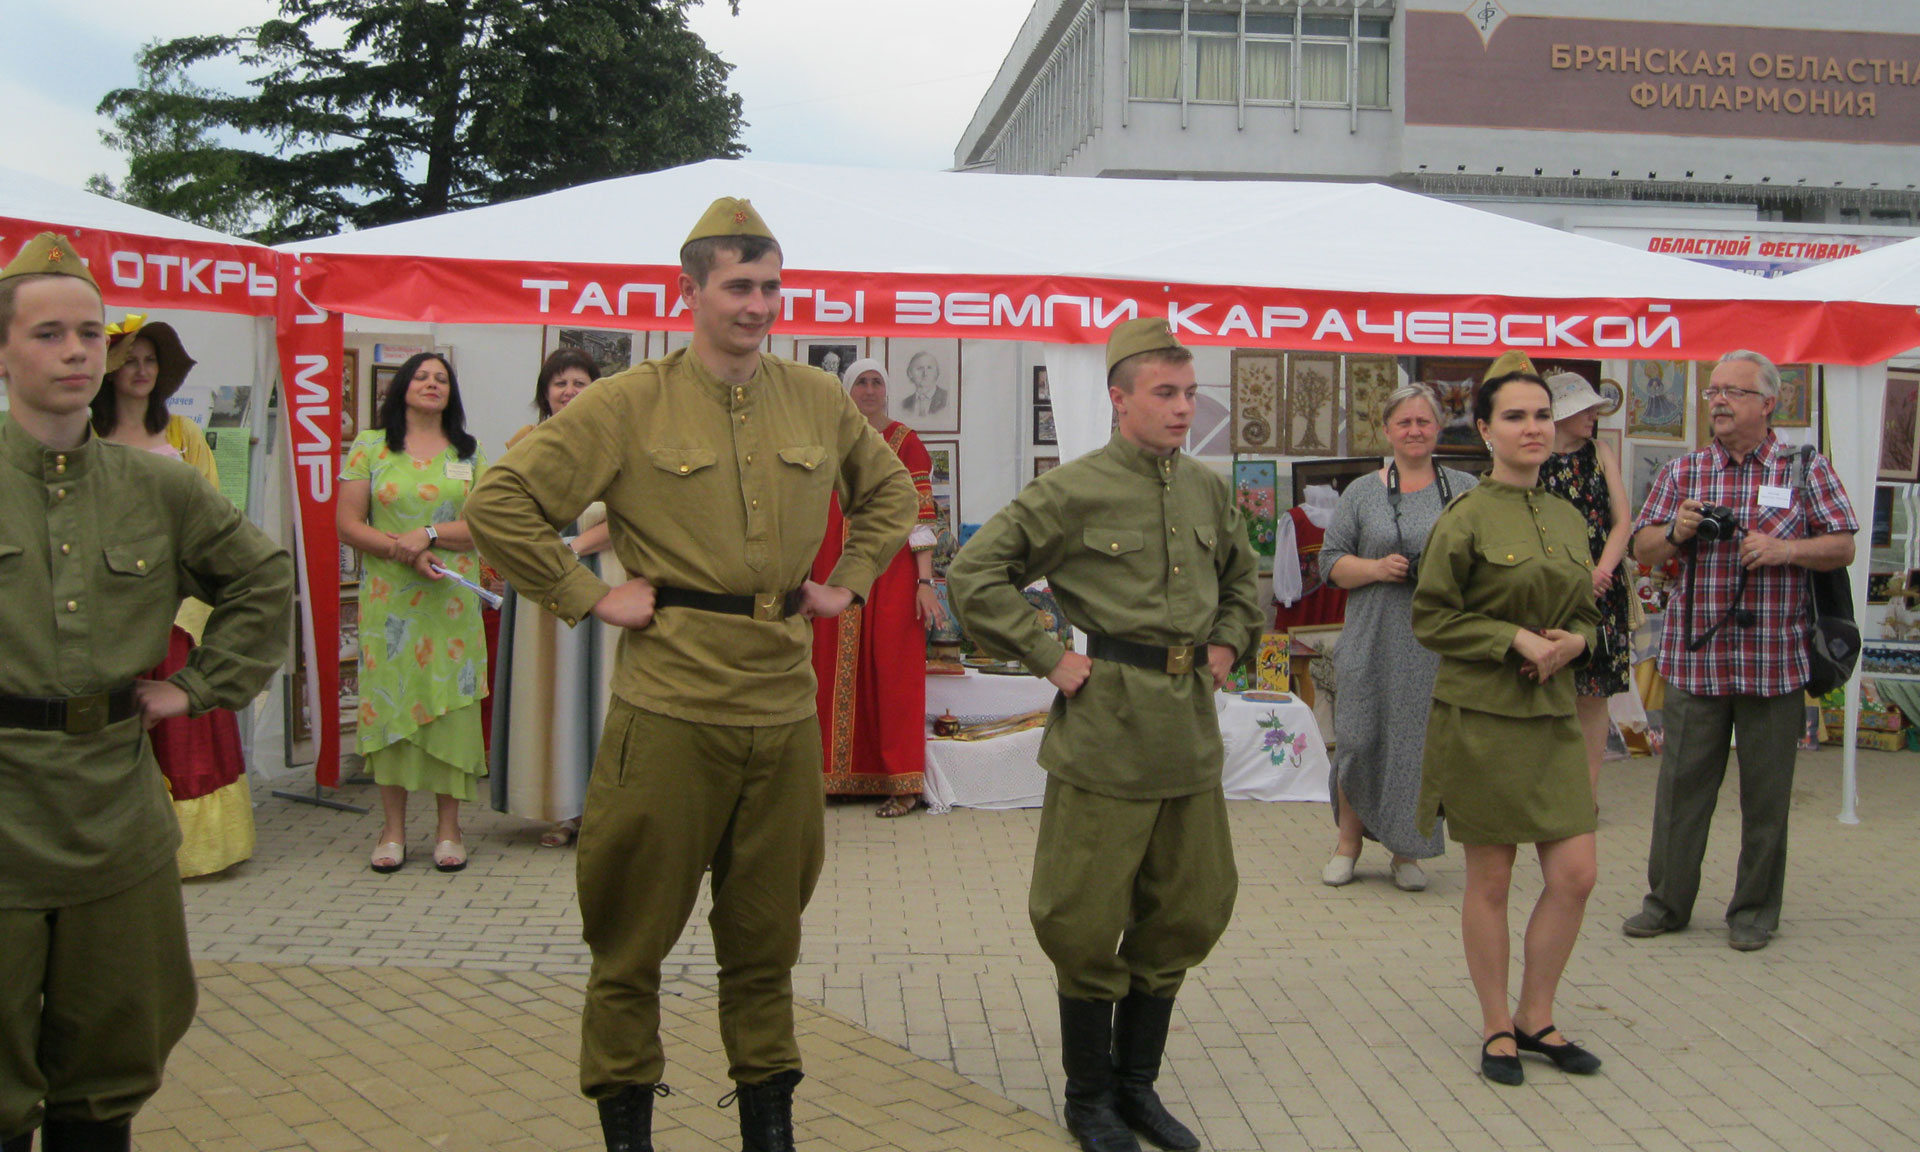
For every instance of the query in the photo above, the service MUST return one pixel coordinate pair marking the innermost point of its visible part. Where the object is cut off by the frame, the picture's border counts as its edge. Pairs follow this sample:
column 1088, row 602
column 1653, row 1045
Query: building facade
column 1568, row 112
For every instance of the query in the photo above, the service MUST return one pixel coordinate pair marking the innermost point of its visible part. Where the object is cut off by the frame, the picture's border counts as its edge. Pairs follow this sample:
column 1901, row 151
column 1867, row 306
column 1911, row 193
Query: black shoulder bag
column 1833, row 640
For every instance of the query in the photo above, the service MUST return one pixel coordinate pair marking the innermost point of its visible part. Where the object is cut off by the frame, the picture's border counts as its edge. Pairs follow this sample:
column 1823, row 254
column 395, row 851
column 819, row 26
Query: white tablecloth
column 1005, row 772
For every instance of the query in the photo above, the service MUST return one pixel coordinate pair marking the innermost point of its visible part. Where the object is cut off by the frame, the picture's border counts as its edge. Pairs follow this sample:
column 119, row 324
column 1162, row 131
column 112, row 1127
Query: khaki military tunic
column 1140, row 547
column 1133, row 873
column 1504, row 758
column 710, row 487
column 98, row 546
column 711, row 753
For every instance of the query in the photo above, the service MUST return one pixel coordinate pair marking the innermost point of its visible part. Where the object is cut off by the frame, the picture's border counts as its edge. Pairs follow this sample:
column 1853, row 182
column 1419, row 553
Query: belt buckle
column 770, row 607
column 86, row 714
column 1180, row 660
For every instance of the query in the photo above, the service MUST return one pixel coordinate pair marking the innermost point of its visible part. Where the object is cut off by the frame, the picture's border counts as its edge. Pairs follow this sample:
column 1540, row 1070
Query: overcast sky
column 868, row 83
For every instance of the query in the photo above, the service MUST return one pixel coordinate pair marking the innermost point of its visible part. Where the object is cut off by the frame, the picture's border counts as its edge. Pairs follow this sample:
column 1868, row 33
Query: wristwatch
column 928, row 583
column 433, row 535
column 1671, row 524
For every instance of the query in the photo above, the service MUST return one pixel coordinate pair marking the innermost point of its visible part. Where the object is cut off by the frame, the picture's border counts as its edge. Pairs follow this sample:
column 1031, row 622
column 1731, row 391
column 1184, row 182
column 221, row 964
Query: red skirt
column 198, row 754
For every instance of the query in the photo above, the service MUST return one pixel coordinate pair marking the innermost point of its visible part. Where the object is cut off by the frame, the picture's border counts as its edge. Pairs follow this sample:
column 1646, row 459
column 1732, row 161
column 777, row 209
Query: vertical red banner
column 310, row 345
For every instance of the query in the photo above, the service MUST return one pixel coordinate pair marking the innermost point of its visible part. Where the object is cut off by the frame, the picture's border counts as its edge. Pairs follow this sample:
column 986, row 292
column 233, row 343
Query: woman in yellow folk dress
column 1505, row 598
column 200, row 756
column 423, row 655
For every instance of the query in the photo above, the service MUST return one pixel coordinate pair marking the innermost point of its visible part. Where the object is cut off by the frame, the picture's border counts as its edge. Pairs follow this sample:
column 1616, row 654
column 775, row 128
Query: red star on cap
column 54, row 255
column 739, row 217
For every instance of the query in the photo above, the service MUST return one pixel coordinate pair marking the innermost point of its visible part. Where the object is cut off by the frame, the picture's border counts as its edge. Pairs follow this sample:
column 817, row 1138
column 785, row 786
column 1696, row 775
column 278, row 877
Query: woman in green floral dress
column 423, row 656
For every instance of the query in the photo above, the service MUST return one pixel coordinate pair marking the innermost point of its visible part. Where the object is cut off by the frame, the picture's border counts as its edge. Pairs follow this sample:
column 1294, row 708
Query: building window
column 1269, row 58
column 1374, row 57
column 1212, row 49
column 1153, row 38
column 1200, row 61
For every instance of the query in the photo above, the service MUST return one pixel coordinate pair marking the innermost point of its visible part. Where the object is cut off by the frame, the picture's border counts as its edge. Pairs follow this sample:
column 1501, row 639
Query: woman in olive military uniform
column 1506, row 599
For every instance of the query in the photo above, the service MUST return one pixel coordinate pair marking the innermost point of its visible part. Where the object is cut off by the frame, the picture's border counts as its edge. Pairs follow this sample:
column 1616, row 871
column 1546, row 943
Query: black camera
column 1717, row 522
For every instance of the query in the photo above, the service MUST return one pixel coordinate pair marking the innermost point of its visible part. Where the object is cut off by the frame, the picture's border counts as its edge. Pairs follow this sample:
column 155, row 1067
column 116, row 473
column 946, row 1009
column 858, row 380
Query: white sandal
column 388, row 857
column 449, row 856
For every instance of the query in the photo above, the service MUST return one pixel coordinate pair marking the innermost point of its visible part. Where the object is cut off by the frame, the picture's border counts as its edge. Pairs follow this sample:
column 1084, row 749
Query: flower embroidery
column 369, row 715
column 388, row 493
column 420, row 713
column 456, row 607
column 378, row 589
column 429, row 492
column 456, row 648
column 423, row 651
column 1282, row 746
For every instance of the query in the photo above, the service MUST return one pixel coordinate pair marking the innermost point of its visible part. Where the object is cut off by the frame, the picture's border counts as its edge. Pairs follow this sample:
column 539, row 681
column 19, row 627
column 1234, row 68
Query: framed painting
column 1370, row 380
column 923, row 381
column 1612, row 393
column 1900, row 428
column 1878, row 587
column 1648, row 459
column 1657, row 400
column 1453, row 381
column 832, row 355
column 1254, row 484
column 1338, row 473
column 1256, row 402
column 1312, row 405
column 1882, row 533
column 1795, row 409
column 611, row 350
column 1044, row 433
column 945, row 475
column 1044, row 464
column 382, row 379
column 349, row 397
column 1042, row 392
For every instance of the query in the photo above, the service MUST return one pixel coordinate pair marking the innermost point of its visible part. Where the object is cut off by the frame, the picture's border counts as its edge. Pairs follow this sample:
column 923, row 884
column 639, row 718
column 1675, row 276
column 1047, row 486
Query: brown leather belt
column 771, row 607
column 74, row 715
column 1174, row 661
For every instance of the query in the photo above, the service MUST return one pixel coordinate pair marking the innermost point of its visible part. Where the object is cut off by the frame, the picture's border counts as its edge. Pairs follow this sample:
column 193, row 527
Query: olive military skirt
column 1505, row 779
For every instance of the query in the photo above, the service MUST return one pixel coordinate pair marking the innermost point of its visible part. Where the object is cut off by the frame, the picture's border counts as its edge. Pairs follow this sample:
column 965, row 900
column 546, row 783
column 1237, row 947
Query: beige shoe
column 1338, row 871
column 1408, row 876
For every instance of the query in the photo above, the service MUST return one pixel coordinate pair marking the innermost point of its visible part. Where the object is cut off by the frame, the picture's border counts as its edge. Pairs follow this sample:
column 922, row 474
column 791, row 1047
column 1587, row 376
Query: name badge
column 1775, row 496
column 463, row 470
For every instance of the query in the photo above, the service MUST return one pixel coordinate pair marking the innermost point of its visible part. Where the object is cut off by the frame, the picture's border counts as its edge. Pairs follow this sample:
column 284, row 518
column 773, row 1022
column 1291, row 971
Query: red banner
column 309, row 342
column 1081, row 310
column 152, row 272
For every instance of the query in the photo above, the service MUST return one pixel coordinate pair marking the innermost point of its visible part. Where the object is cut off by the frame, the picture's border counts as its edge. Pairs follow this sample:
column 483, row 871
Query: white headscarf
column 865, row 364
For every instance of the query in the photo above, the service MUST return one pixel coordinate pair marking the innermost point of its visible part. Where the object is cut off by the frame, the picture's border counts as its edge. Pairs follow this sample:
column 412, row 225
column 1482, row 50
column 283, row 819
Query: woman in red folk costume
column 871, row 659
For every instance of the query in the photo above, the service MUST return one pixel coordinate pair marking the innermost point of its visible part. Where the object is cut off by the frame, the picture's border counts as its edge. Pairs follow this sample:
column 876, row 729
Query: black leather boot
column 626, row 1117
column 766, row 1112
column 87, row 1135
column 20, row 1143
column 1139, row 1038
column 1086, row 1038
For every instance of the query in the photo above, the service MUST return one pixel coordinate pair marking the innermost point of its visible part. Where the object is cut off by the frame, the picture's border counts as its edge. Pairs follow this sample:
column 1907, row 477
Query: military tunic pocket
column 1506, row 555
column 8, row 552
column 1205, row 535
column 134, row 569
column 682, row 461
column 807, row 456
column 1113, row 541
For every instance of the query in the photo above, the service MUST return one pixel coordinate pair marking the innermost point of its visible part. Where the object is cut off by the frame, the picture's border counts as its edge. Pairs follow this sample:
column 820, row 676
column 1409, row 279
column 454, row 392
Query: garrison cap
column 167, row 348
column 1510, row 362
column 48, row 254
column 729, row 216
column 1147, row 334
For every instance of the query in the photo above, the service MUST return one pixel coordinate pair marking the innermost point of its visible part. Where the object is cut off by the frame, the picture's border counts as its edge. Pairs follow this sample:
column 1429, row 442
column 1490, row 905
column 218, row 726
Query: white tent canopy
column 1325, row 237
column 1889, row 275
column 27, row 197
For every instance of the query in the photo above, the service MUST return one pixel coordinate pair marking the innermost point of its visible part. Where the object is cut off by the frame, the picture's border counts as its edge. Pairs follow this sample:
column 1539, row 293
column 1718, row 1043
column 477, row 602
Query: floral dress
column 423, row 656
column 1576, row 477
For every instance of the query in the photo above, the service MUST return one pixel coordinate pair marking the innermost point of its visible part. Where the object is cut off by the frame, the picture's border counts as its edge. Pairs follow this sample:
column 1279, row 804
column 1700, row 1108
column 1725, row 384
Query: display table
column 1005, row 772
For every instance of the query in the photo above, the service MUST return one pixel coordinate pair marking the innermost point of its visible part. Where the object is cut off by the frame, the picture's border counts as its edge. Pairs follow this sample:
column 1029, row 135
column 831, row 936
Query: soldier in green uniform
column 98, row 545
column 1133, row 875
column 715, row 463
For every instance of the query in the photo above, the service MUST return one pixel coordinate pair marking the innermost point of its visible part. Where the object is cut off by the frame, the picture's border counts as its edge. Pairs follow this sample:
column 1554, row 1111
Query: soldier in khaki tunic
column 715, row 463
column 1133, row 875
column 99, row 543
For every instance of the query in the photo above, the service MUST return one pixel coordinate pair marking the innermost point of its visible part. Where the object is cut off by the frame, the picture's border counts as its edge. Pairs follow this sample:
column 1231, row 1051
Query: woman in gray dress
column 1385, row 677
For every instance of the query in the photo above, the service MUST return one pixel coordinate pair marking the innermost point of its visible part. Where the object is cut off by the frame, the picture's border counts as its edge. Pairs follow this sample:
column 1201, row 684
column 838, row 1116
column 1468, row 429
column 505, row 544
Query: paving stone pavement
column 345, row 1010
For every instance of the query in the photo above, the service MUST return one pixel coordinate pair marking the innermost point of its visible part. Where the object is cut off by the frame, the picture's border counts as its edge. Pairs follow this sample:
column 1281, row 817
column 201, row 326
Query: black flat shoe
column 1568, row 1057
column 1501, row 1069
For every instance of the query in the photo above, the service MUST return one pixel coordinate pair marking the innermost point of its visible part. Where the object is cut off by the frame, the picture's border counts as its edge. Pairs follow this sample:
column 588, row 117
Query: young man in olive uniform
column 716, row 464
column 98, row 544
column 1133, row 875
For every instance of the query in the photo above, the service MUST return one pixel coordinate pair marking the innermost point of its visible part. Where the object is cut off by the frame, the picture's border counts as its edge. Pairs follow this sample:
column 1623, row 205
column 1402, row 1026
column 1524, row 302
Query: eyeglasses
column 1713, row 391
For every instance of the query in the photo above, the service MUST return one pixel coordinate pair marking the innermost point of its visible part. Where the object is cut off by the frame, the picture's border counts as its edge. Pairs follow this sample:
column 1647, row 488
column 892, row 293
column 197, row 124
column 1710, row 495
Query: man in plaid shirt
column 1748, row 677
